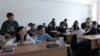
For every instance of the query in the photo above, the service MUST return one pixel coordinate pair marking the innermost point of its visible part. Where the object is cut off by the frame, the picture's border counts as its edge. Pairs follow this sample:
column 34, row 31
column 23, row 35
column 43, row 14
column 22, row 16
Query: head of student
column 65, row 19
column 10, row 16
column 41, row 29
column 75, row 23
column 29, row 24
column 88, row 20
column 33, row 26
column 44, row 24
column 53, row 19
column 20, row 33
column 84, row 26
column 94, row 24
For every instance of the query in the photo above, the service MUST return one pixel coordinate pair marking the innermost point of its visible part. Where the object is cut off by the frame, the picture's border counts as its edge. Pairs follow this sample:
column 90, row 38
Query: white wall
column 98, row 12
column 39, row 11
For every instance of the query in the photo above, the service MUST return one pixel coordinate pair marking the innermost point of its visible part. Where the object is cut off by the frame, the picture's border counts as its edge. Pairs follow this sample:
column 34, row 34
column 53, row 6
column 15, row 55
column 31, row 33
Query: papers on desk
column 7, row 50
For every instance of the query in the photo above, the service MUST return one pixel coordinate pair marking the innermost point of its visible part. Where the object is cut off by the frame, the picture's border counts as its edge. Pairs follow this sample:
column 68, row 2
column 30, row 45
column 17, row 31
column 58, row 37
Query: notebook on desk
column 7, row 51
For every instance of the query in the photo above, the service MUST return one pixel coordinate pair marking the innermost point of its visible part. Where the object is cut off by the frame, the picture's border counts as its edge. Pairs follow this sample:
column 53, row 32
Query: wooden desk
column 38, row 50
column 95, row 40
column 55, row 32
column 91, row 37
column 69, row 36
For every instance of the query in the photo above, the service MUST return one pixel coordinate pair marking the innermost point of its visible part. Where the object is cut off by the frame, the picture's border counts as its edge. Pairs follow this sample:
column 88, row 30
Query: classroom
column 49, row 28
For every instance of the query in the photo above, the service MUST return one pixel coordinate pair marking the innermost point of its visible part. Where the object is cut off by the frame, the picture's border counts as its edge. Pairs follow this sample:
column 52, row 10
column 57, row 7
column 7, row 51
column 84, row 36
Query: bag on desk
column 52, row 45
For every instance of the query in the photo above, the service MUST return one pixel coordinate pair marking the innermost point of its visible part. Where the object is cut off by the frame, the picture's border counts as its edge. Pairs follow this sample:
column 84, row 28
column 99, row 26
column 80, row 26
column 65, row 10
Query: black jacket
column 61, row 29
column 93, row 31
column 9, row 27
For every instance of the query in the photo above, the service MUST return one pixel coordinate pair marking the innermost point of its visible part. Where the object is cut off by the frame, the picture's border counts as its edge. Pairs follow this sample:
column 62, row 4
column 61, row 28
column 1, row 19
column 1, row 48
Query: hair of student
column 65, row 19
column 30, row 24
column 10, row 14
column 83, row 25
column 75, row 22
column 44, row 23
column 17, row 35
column 94, row 22
column 88, row 18
column 74, row 25
column 53, row 19
column 39, row 27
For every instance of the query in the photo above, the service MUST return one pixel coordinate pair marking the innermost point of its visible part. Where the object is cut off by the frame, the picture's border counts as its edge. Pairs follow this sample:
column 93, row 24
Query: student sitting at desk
column 75, row 26
column 41, row 36
column 81, row 33
column 88, row 23
column 65, row 23
column 62, row 28
column 32, row 30
column 78, row 40
column 94, row 29
column 49, row 29
column 83, row 48
column 53, row 22
column 20, row 39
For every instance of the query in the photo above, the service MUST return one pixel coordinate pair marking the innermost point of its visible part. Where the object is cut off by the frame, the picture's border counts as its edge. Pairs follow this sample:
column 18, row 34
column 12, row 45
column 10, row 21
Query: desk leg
column 89, row 42
column 97, row 47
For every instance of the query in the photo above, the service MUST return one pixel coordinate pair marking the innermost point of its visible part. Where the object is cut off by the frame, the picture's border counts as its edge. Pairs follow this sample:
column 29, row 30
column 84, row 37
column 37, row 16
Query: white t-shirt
column 29, row 40
column 79, row 35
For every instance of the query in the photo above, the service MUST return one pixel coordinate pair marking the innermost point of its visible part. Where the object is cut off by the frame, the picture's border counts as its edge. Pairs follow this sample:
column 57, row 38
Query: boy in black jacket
column 9, row 26
column 94, row 29
column 32, row 30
